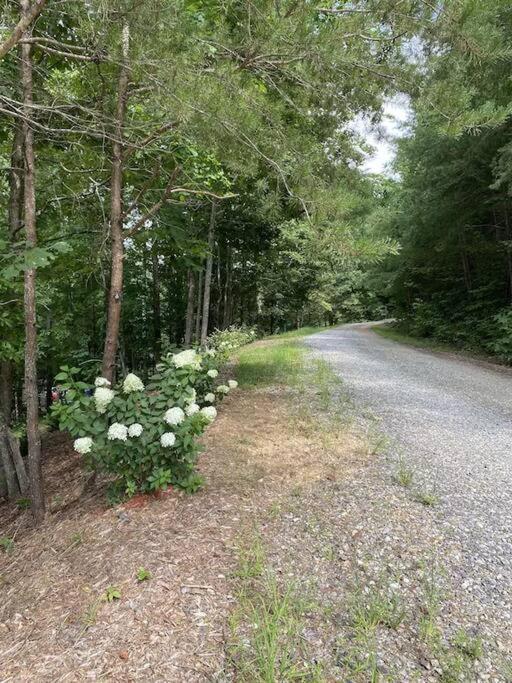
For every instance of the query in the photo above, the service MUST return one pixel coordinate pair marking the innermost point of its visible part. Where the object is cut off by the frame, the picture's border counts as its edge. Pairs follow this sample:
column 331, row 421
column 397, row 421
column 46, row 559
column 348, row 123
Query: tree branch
column 20, row 28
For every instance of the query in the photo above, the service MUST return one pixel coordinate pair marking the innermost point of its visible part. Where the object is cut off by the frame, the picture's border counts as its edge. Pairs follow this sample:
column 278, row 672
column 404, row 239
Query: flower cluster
column 135, row 430
column 102, row 397
column 189, row 358
column 174, row 416
column 101, row 382
column 83, row 445
column 147, row 436
column 132, row 383
column 117, row 431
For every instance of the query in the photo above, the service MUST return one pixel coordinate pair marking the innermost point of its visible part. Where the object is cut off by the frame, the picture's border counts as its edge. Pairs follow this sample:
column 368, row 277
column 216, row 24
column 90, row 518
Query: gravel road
column 450, row 421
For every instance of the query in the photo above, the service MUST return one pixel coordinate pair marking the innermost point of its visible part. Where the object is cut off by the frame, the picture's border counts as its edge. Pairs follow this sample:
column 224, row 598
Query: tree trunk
column 198, row 305
column 157, row 316
column 226, row 319
column 190, row 307
column 208, row 276
column 116, row 219
column 11, row 480
column 31, row 397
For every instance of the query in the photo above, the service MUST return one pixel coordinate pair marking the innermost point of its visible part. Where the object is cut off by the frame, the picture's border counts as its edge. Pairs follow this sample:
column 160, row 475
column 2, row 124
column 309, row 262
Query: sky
column 382, row 138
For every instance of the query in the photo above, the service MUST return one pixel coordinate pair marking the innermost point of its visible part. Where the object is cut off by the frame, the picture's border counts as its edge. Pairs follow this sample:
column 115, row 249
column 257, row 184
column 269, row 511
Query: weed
column 91, row 614
column 329, row 553
column 77, row 538
column 143, row 574
column 378, row 608
column 403, row 475
column 428, row 629
column 112, row 593
column 427, row 498
column 470, row 646
column 7, row 544
column 267, row 645
column 251, row 560
column 274, row 510
column 23, row 503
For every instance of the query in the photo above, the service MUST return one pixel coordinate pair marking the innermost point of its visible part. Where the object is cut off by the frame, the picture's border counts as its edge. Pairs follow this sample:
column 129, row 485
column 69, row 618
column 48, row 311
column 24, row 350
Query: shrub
column 145, row 436
column 224, row 341
column 501, row 344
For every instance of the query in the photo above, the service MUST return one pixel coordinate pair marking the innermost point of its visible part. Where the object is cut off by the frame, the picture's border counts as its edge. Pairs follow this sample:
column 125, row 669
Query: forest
column 173, row 170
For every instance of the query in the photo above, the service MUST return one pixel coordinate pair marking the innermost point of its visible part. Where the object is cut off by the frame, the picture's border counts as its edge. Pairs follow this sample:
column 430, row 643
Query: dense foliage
column 450, row 209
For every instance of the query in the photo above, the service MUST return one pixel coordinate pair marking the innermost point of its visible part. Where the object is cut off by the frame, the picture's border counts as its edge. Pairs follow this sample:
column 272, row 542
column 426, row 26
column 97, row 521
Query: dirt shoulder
column 56, row 621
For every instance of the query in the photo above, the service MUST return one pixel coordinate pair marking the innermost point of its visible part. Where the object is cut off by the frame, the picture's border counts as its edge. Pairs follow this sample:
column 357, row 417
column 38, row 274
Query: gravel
column 449, row 420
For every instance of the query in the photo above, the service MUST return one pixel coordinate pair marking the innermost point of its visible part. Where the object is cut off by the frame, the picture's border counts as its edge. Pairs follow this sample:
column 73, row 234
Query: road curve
column 451, row 418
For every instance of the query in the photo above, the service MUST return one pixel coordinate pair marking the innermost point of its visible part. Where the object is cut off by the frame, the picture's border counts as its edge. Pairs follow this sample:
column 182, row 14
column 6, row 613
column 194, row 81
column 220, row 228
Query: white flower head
column 210, row 352
column 188, row 358
column 222, row 389
column 102, row 397
column 174, row 416
column 83, row 445
column 209, row 398
column 192, row 409
column 209, row 412
column 232, row 383
column 132, row 383
column 135, row 429
column 168, row 439
column 117, row 432
column 101, row 382
column 212, row 373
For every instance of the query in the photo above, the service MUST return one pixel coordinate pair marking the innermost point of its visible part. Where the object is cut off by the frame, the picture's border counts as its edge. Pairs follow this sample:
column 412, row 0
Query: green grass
column 394, row 333
column 300, row 332
column 281, row 362
column 266, row 644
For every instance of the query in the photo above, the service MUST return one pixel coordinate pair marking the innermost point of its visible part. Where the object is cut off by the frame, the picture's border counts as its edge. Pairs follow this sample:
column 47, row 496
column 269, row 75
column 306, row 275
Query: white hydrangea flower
column 102, row 397
column 168, row 439
column 117, row 431
column 212, row 373
column 222, row 389
column 135, row 429
column 209, row 412
column 192, row 409
column 209, row 398
column 101, row 382
column 174, row 416
column 187, row 358
column 132, row 383
column 191, row 398
column 83, row 445
column 232, row 383
column 210, row 352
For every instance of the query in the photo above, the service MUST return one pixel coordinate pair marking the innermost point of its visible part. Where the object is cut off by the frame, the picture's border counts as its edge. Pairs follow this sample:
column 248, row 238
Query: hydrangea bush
column 225, row 341
column 146, row 436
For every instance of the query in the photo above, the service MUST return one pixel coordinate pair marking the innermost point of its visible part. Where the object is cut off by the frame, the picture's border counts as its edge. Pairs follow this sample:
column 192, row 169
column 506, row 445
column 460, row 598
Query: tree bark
column 31, row 397
column 116, row 218
column 157, row 315
column 190, row 307
column 208, row 276
column 29, row 14
column 226, row 318
column 198, row 305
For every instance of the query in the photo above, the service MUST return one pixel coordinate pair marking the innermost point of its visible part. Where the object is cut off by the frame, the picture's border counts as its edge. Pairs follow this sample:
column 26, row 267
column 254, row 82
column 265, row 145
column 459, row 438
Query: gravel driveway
column 450, row 421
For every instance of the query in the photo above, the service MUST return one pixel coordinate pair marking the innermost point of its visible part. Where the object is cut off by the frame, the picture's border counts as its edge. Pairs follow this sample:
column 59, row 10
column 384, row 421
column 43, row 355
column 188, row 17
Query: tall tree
column 29, row 219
